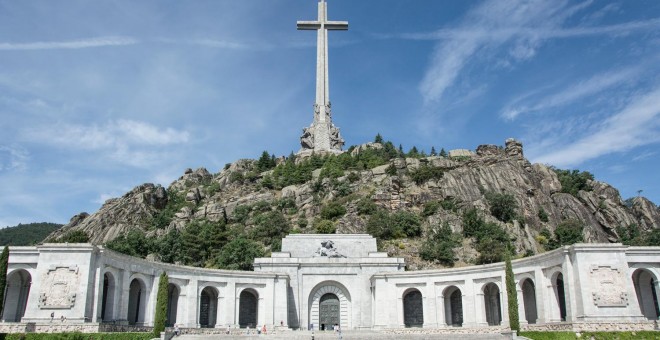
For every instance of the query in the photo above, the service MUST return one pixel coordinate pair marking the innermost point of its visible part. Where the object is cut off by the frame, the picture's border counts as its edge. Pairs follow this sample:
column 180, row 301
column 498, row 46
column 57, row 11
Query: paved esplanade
column 322, row 135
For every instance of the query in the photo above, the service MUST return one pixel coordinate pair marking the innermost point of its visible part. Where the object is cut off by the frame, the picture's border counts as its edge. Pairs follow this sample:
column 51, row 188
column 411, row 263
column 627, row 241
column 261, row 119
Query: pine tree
column 413, row 153
column 512, row 295
column 4, row 262
column 443, row 153
column 433, row 153
column 378, row 139
column 265, row 162
column 161, row 305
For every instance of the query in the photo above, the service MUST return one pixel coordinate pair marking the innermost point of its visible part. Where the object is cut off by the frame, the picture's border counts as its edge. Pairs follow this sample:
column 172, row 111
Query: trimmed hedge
column 643, row 335
column 80, row 336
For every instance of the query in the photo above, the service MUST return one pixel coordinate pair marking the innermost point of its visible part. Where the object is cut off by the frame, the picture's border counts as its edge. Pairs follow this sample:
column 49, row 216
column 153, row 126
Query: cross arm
column 330, row 25
column 336, row 25
column 309, row 25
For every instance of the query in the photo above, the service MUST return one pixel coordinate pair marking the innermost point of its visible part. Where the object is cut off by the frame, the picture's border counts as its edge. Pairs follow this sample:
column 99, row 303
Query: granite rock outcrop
column 467, row 177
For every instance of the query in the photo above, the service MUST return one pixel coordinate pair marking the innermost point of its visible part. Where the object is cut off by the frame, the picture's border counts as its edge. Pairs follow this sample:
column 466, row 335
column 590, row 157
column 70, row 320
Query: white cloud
column 484, row 29
column 635, row 125
column 537, row 32
column 110, row 135
column 126, row 141
column 73, row 44
column 579, row 90
column 13, row 158
column 644, row 156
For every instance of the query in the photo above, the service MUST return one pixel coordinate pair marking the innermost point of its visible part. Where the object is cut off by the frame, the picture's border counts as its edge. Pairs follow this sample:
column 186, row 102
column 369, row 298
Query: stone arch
column 137, row 302
column 208, row 307
column 529, row 300
column 108, row 296
column 453, row 300
column 413, row 308
column 645, row 283
column 17, row 292
column 342, row 294
column 557, row 280
column 248, row 308
column 173, row 292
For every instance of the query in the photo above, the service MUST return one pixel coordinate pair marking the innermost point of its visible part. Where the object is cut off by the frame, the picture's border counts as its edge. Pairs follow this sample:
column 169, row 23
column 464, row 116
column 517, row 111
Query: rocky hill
column 411, row 204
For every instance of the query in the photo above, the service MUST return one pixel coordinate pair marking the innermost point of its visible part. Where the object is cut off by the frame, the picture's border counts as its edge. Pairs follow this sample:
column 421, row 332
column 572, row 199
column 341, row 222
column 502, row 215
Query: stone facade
column 322, row 280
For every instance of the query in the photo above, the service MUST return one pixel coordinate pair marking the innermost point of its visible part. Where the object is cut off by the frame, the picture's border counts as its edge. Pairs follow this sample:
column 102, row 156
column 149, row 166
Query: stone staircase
column 346, row 335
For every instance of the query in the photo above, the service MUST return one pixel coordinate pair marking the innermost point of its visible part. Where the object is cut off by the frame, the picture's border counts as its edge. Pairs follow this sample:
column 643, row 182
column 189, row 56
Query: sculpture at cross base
column 322, row 135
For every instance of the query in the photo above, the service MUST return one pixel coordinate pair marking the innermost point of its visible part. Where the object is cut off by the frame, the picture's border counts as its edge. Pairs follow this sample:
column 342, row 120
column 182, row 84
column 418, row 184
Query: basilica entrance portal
column 329, row 305
column 328, row 312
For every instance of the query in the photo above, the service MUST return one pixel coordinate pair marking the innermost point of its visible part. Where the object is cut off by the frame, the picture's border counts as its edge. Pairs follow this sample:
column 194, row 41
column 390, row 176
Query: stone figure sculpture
column 307, row 138
column 328, row 249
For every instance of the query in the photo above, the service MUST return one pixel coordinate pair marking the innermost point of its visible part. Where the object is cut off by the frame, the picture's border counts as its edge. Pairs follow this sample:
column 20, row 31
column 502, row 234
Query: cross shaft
column 322, row 25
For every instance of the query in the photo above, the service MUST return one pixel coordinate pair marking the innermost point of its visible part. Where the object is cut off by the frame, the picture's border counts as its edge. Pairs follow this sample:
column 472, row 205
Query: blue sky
column 97, row 97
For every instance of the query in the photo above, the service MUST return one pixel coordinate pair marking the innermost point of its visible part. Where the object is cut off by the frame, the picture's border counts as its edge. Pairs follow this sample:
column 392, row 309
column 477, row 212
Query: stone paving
column 347, row 335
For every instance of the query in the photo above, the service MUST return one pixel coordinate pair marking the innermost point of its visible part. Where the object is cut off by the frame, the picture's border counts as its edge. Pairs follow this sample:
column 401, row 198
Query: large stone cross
column 322, row 135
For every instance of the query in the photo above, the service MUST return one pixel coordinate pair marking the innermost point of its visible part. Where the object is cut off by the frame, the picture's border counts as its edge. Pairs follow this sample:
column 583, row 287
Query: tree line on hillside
column 26, row 234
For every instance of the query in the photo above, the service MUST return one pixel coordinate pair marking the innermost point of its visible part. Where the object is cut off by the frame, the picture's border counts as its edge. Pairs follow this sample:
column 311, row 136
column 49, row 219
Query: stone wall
column 594, row 326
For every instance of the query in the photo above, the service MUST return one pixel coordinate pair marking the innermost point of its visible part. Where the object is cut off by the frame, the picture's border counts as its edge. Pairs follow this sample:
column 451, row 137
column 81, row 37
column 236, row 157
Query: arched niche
column 647, row 296
column 492, row 304
column 137, row 302
column 208, row 307
column 17, row 292
column 248, row 309
column 453, row 301
column 413, row 308
column 559, row 294
column 529, row 300
column 108, row 297
column 173, row 293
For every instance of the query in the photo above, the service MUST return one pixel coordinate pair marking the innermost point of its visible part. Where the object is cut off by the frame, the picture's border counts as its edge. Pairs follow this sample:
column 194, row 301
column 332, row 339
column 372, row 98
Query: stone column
column 656, row 285
column 262, row 309
column 384, row 315
column 550, row 306
column 540, row 292
column 218, row 311
column 152, row 292
column 521, row 305
column 181, row 305
column 124, row 286
column 471, row 316
column 504, row 306
column 400, row 322
column 98, row 294
column 232, row 306
column 569, row 287
column 281, row 306
column 429, row 300
column 440, row 307
column 480, row 309
column 191, row 310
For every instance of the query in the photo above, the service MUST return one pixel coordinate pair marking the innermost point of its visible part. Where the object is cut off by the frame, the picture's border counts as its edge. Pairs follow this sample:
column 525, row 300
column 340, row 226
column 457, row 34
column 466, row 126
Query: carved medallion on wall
column 608, row 287
column 59, row 287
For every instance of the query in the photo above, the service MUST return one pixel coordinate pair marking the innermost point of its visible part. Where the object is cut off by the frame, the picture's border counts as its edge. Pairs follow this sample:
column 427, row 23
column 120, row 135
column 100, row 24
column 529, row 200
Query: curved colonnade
column 85, row 284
